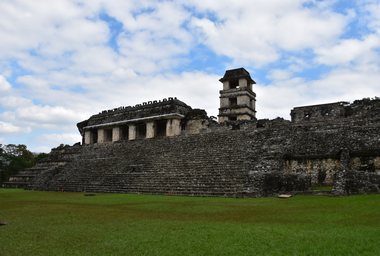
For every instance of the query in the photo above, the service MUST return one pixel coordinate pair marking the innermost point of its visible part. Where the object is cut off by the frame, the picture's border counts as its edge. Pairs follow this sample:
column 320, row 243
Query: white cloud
column 350, row 50
column 256, row 31
column 27, row 25
column 279, row 74
column 10, row 128
column 52, row 140
column 154, row 40
column 55, row 139
column 345, row 84
column 12, row 102
column 95, row 60
column 372, row 14
column 4, row 85
column 48, row 115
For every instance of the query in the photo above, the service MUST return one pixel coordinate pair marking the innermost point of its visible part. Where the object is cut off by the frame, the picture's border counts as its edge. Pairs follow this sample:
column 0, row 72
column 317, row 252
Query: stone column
column 243, row 83
column 226, row 85
column 101, row 138
column 173, row 127
column 87, row 138
column 150, row 133
column 115, row 134
column 132, row 132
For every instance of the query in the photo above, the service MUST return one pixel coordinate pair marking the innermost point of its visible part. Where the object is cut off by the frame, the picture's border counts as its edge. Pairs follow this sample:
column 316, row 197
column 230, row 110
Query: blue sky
column 64, row 61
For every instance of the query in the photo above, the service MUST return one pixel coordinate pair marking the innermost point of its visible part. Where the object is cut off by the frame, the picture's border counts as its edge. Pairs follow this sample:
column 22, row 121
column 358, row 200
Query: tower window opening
column 234, row 84
column 233, row 102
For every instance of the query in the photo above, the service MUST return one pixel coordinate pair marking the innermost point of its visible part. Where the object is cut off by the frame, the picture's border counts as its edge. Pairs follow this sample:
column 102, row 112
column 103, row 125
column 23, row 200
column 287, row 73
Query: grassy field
column 53, row 223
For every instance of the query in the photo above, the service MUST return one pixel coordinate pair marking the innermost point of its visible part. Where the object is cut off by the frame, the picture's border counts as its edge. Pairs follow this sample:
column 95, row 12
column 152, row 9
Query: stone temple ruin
column 167, row 147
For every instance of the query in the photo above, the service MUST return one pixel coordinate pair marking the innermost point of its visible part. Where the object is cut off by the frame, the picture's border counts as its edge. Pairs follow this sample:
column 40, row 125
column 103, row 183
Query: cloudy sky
column 63, row 60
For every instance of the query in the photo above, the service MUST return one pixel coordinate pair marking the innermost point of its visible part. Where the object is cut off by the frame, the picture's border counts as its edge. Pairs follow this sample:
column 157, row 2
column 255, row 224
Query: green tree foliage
column 15, row 158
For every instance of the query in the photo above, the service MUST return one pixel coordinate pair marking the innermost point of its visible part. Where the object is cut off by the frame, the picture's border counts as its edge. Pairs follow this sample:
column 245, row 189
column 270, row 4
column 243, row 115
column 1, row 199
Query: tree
column 14, row 158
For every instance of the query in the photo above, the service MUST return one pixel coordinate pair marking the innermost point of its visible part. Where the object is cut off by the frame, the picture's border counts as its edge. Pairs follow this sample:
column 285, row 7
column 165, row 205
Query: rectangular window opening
column 161, row 128
column 234, row 84
column 94, row 136
column 107, row 135
column 233, row 102
column 124, row 132
column 141, row 131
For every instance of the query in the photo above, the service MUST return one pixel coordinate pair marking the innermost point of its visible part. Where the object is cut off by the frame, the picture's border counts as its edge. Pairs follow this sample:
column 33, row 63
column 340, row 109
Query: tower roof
column 237, row 73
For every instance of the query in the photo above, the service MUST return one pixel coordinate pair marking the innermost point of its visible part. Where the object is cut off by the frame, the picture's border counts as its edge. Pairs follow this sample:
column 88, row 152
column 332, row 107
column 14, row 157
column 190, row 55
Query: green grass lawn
column 54, row 223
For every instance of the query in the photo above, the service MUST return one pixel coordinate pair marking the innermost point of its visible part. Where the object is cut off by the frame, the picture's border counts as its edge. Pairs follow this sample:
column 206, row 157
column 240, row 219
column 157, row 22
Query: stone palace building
column 168, row 147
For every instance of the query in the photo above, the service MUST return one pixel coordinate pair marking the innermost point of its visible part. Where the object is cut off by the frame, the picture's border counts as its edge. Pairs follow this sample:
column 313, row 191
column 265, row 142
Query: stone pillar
column 101, row 136
column 243, row 83
column 132, row 132
column 150, row 133
column 226, row 85
column 115, row 134
column 87, row 138
column 173, row 127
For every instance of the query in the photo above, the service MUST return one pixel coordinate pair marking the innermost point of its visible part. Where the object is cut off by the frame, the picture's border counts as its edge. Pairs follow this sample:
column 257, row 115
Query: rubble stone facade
column 166, row 147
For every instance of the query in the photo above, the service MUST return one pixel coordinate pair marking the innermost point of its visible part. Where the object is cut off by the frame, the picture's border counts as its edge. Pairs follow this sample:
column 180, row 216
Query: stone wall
column 364, row 110
column 356, row 182
column 320, row 171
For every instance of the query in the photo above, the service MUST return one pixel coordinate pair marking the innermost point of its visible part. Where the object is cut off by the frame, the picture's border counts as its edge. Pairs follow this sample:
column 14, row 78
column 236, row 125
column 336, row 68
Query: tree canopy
column 15, row 158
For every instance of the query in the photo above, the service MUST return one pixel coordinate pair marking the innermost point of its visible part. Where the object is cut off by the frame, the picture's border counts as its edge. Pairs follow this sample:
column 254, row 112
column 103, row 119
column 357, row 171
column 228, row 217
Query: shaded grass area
column 54, row 223
column 323, row 188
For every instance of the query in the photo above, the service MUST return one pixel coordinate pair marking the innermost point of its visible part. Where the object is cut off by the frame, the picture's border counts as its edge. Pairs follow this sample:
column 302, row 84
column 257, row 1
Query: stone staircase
column 23, row 179
column 188, row 165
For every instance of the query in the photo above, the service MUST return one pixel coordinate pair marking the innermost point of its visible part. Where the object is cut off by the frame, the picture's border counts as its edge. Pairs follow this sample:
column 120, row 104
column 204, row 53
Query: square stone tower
column 237, row 100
